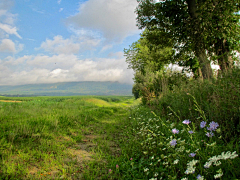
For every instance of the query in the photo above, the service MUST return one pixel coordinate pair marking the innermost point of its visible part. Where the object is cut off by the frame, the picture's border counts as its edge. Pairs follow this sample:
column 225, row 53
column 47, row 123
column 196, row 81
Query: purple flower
column 210, row 134
column 173, row 142
column 175, row 131
column 191, row 132
column 110, row 170
column 192, row 154
column 213, row 126
column 186, row 121
column 199, row 176
column 117, row 166
column 203, row 124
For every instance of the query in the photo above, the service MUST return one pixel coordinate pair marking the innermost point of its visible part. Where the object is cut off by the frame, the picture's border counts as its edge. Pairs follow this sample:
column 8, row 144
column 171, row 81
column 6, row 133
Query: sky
column 48, row 41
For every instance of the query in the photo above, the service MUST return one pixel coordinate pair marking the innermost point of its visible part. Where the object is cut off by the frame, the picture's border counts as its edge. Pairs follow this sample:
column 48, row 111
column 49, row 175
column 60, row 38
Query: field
column 118, row 138
column 61, row 137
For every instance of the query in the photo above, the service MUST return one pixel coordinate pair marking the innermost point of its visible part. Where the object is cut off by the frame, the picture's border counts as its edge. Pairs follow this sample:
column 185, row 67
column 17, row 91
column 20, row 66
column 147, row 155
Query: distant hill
column 68, row 89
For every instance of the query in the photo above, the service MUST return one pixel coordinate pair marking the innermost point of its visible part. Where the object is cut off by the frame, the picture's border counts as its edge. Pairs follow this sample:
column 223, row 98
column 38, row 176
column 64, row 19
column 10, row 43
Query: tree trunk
column 198, row 45
column 222, row 50
column 204, row 63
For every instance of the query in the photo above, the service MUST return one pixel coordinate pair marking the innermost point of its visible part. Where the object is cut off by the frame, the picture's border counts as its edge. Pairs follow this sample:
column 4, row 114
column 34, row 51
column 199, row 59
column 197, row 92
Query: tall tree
column 153, row 51
column 189, row 22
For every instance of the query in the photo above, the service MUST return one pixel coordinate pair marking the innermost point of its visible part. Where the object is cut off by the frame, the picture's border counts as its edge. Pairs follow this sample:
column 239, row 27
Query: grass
column 59, row 137
column 170, row 148
column 190, row 133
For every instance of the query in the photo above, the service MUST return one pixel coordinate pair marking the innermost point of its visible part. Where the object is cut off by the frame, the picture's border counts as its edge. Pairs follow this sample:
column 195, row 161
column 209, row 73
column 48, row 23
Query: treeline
column 192, row 34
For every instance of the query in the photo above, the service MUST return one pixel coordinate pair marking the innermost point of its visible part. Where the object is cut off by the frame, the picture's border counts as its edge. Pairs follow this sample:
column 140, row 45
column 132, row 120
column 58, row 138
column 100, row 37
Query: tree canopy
column 207, row 28
column 153, row 51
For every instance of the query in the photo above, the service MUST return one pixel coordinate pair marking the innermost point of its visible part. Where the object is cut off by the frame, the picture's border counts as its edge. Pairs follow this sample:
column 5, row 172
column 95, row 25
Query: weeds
column 166, row 149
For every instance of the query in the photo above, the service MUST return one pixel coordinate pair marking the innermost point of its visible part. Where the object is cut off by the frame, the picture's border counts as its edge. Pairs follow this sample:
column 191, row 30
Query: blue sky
column 47, row 41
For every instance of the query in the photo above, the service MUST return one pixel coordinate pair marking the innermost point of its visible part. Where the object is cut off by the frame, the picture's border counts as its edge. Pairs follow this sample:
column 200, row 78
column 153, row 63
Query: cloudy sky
column 46, row 41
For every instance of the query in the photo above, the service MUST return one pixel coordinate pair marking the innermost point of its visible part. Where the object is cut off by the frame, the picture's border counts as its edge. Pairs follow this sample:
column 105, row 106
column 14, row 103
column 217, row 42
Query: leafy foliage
column 195, row 26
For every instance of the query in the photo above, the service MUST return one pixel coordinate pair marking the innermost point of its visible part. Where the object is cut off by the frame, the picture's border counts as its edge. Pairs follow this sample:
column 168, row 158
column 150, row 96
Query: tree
column 195, row 26
column 154, row 49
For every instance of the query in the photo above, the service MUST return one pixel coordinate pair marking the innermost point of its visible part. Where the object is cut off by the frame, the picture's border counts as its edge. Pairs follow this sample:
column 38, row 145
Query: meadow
column 60, row 137
column 190, row 132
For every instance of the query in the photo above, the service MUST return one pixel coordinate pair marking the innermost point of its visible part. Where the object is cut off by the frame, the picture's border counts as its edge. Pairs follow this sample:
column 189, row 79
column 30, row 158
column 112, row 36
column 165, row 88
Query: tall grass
column 190, row 132
column 219, row 99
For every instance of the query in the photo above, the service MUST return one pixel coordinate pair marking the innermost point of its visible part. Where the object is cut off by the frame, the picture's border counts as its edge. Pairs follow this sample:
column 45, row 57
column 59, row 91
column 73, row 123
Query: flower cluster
column 190, row 167
column 215, row 160
column 177, row 148
column 212, row 127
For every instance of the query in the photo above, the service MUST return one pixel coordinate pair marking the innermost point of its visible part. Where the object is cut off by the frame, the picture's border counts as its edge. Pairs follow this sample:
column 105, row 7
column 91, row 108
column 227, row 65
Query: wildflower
column 213, row 126
column 110, row 170
column 199, row 177
column 191, row 132
column 117, row 166
column 217, row 163
column 176, row 161
column 192, row 154
column 209, row 134
column 146, row 169
column 203, row 124
column 190, row 167
column 156, row 174
column 207, row 165
column 173, row 142
column 186, row 121
column 220, row 173
column 184, row 179
column 175, row 131
column 131, row 159
column 229, row 155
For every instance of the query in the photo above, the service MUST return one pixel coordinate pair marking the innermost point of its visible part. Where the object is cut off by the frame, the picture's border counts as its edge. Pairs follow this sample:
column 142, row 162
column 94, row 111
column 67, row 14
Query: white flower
column 220, row 173
column 176, row 161
column 146, row 169
column 217, row 163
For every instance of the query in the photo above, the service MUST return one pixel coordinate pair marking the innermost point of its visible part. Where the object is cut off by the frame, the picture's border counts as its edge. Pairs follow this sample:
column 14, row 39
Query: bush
column 219, row 99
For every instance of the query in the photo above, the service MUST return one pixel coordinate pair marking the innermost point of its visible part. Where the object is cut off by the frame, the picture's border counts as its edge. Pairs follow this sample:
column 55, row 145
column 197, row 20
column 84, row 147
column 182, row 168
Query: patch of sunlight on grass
column 9, row 101
column 97, row 102
column 107, row 121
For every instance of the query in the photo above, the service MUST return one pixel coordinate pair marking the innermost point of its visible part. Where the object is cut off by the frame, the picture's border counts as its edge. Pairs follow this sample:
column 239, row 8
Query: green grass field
column 61, row 137
column 112, row 138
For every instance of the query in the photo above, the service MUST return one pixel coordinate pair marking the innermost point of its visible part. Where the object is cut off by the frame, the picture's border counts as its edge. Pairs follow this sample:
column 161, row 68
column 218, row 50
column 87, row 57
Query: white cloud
column 61, row 9
column 7, row 20
column 114, row 18
column 9, row 30
column 69, row 46
column 52, row 62
column 62, row 68
column 7, row 45
column 106, row 47
column 59, row 1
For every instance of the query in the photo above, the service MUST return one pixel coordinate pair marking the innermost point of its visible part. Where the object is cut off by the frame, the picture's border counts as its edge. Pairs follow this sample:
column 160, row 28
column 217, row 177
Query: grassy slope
column 54, row 137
